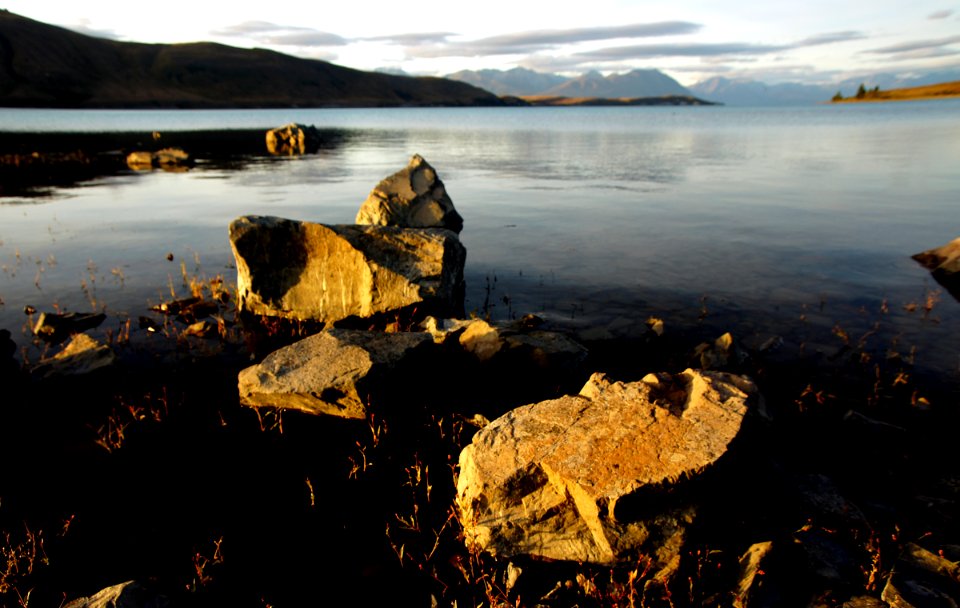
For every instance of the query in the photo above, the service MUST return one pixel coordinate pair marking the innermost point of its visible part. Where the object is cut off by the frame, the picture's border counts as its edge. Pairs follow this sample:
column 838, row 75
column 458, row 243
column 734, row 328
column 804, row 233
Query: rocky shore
column 31, row 163
column 334, row 426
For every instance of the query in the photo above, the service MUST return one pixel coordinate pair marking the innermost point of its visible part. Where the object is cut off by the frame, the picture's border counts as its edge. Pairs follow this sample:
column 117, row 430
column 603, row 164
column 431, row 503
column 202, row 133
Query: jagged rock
column 752, row 590
column 82, row 355
column 828, row 555
column 723, row 353
column 308, row 271
column 922, row 579
column 944, row 264
column 204, row 328
column 337, row 372
column 293, row 139
column 125, row 595
column 55, row 327
column 864, row 601
column 413, row 197
column 571, row 478
column 168, row 159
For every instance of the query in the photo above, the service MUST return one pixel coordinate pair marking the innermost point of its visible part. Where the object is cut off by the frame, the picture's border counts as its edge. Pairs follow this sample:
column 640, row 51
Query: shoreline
column 948, row 90
column 182, row 468
column 153, row 471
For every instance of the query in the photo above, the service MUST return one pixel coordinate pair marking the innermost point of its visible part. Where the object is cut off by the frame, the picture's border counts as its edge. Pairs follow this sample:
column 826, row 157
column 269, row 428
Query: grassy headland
column 943, row 90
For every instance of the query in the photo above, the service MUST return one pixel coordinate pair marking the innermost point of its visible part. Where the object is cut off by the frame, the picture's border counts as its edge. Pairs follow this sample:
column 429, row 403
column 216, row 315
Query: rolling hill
column 47, row 66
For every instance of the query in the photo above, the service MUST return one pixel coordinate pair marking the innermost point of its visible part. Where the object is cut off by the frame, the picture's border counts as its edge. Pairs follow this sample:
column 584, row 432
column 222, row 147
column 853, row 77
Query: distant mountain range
column 46, row 66
column 522, row 82
column 654, row 83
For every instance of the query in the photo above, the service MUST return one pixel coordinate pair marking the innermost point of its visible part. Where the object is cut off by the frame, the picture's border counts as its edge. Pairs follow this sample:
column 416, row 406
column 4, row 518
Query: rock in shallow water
column 413, row 197
column 326, row 273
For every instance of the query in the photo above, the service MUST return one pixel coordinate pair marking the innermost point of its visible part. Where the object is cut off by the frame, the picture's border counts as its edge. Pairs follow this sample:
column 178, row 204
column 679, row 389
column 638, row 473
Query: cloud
column 714, row 49
column 280, row 35
column 830, row 38
column 907, row 47
column 412, row 39
column 940, row 14
column 924, row 53
column 695, row 49
column 539, row 40
column 83, row 27
column 548, row 38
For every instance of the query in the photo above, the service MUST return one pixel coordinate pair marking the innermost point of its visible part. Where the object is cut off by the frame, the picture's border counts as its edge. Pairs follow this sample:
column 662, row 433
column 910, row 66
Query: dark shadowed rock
column 125, row 595
column 864, row 601
column 293, row 139
column 56, row 327
column 723, row 354
column 81, row 356
column 337, row 372
column 753, row 590
column 922, row 579
column 326, row 273
column 578, row 478
column 9, row 367
column 413, row 197
column 168, row 159
column 486, row 341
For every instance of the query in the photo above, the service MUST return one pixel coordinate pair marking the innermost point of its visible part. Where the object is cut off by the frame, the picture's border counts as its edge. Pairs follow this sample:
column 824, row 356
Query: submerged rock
column 55, row 327
column 293, row 139
column 326, row 273
column 922, row 578
column 168, row 159
column 338, row 372
column 561, row 479
column 413, row 197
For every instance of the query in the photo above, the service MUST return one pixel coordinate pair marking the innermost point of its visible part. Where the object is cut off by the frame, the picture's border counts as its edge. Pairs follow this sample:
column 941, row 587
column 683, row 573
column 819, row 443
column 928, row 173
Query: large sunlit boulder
column 326, row 273
column 588, row 477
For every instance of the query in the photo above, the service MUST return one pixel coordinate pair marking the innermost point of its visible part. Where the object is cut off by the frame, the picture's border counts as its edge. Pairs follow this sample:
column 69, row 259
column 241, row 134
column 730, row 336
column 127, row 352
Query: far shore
column 945, row 90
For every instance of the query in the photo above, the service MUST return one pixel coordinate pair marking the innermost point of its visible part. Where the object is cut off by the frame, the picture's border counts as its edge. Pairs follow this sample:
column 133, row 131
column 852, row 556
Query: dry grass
column 934, row 91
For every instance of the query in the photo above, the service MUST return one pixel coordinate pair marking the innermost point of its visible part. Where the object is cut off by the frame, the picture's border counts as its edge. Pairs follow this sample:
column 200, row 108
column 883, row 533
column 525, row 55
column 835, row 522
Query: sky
column 774, row 41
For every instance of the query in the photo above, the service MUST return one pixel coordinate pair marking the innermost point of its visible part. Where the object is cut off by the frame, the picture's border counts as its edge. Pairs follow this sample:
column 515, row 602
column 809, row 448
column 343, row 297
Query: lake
column 792, row 222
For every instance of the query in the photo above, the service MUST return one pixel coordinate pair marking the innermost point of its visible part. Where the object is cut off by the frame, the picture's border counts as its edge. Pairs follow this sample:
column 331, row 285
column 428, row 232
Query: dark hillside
column 47, row 66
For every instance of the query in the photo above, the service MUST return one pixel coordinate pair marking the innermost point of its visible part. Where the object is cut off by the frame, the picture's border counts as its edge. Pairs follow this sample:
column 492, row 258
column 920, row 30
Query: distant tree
column 838, row 96
column 861, row 92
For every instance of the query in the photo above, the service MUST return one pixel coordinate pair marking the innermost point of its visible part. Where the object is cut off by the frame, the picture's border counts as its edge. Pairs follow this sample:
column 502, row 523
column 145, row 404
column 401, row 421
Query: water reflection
column 39, row 165
column 593, row 217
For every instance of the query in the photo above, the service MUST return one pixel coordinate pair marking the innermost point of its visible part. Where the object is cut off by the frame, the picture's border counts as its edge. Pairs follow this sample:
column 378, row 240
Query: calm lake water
column 763, row 221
